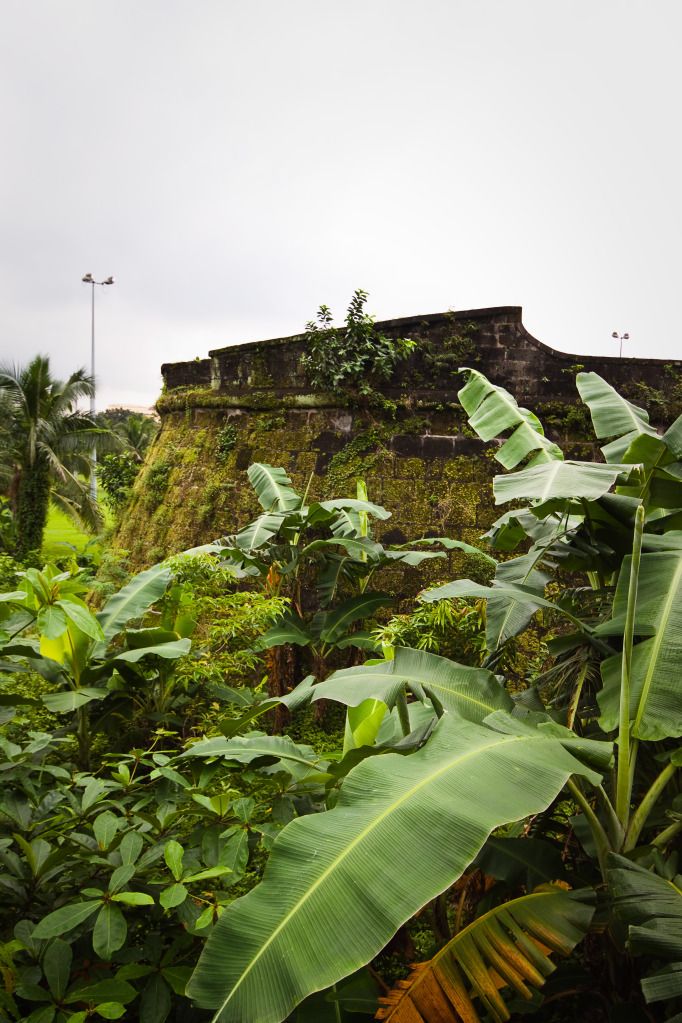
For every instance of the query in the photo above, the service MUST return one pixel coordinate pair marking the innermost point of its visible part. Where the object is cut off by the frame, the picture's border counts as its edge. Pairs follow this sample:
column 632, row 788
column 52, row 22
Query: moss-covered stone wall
column 412, row 446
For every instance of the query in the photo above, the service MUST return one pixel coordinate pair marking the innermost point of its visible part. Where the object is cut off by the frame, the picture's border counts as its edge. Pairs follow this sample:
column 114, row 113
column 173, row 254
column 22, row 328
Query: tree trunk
column 33, row 499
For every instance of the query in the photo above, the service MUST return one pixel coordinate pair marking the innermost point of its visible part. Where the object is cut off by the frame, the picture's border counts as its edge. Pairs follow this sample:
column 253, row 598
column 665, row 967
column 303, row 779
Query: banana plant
column 506, row 949
column 82, row 653
column 475, row 756
column 322, row 556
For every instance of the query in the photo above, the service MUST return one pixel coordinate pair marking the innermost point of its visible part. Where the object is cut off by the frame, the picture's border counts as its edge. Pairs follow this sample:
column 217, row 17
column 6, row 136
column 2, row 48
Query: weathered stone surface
column 419, row 459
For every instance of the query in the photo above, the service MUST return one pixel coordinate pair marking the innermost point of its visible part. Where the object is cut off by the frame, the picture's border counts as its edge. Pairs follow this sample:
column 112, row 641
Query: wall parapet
column 493, row 340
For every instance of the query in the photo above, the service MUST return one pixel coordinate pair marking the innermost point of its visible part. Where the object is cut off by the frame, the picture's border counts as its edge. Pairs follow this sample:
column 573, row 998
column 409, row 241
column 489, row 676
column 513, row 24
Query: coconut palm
column 46, row 448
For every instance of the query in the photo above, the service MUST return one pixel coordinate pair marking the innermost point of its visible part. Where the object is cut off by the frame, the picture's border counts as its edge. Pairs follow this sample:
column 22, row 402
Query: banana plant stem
column 600, row 837
column 623, row 776
column 403, row 713
column 641, row 814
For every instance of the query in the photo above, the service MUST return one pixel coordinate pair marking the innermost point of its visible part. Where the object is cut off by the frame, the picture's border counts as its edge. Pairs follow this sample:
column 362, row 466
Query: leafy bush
column 354, row 357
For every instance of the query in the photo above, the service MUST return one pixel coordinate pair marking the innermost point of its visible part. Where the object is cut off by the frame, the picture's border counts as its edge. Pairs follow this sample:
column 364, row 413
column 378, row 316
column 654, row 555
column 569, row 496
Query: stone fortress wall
column 252, row 402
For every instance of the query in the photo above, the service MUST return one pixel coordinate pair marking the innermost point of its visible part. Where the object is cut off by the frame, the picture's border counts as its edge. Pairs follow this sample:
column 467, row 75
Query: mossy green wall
column 194, row 487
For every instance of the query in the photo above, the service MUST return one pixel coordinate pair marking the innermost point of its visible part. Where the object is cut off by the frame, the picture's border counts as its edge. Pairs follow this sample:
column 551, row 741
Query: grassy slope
column 62, row 530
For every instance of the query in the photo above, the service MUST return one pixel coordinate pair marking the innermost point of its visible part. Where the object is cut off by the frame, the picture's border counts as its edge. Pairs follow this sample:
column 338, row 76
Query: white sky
column 236, row 164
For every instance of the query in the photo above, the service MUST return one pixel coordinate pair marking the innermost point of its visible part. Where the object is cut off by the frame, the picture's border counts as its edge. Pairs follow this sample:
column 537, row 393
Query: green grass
column 62, row 530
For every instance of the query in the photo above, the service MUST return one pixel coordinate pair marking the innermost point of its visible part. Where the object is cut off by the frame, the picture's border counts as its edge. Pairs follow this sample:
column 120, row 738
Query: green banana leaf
column 258, row 532
column 492, row 410
column 655, row 676
column 470, row 693
column 612, row 415
column 652, row 907
column 507, row 949
column 273, row 488
column 136, row 597
column 588, row 480
column 331, row 896
column 504, row 617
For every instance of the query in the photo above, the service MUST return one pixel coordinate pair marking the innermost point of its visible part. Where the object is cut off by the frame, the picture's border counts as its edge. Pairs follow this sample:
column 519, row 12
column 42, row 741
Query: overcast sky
column 234, row 165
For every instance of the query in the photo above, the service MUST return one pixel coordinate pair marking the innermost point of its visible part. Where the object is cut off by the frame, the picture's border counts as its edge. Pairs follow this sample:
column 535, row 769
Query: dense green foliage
column 353, row 357
column 252, row 786
column 47, row 448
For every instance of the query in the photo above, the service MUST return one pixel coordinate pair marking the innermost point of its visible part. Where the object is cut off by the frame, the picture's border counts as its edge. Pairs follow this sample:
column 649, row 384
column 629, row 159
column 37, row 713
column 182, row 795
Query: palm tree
column 46, row 448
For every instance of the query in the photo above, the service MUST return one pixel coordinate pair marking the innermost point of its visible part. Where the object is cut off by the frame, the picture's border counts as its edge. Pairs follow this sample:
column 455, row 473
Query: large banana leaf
column 655, row 676
column 652, row 906
column 587, row 480
column 612, row 415
column 504, row 617
column 492, row 410
column 331, row 896
column 273, row 488
column 506, row 948
column 131, row 602
column 471, row 693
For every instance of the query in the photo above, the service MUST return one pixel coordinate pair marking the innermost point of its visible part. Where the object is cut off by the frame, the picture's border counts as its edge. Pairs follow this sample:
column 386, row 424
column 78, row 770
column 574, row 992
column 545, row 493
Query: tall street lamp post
column 89, row 279
column 620, row 337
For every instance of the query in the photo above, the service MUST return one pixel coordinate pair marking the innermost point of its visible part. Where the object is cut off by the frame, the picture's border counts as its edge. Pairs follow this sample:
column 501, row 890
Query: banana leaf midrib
column 656, row 645
column 428, row 779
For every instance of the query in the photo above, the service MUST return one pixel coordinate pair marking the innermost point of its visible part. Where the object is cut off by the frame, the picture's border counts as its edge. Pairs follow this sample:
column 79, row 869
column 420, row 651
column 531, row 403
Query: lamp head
column 626, row 337
column 109, row 280
column 87, row 279
column 615, row 334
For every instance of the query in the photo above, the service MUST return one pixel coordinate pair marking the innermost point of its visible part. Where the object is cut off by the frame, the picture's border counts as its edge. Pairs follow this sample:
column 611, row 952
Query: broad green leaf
column 492, row 411
column 588, row 480
column 110, row 1010
column 110, row 931
column 471, row 693
column 133, row 599
column 655, row 676
column 172, row 896
column 363, row 723
column 337, row 622
column 130, row 847
column 289, row 629
column 673, row 437
column 57, row 966
column 245, row 749
column 505, row 617
column 12, row 596
column 66, row 703
column 63, row 920
column 510, row 943
column 121, row 876
column 273, row 488
column 258, row 532
column 82, row 618
column 652, row 906
column 173, row 854
column 113, row 990
column 43, row 1015
column 155, row 1004
column 432, row 810
column 133, row 899
column 169, row 651
column 105, row 827
column 612, row 415
column 531, row 861
column 51, row 622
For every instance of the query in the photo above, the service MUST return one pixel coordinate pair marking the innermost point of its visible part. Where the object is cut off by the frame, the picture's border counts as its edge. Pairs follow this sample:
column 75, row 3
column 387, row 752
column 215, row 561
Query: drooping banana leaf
column 289, row 629
column 333, row 625
column 133, row 599
column 492, row 411
column 504, row 617
column 587, row 480
column 244, row 749
column 655, row 676
column 652, row 906
column 470, row 693
column 258, row 532
column 273, row 488
column 333, row 874
column 505, row 950
column 612, row 415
